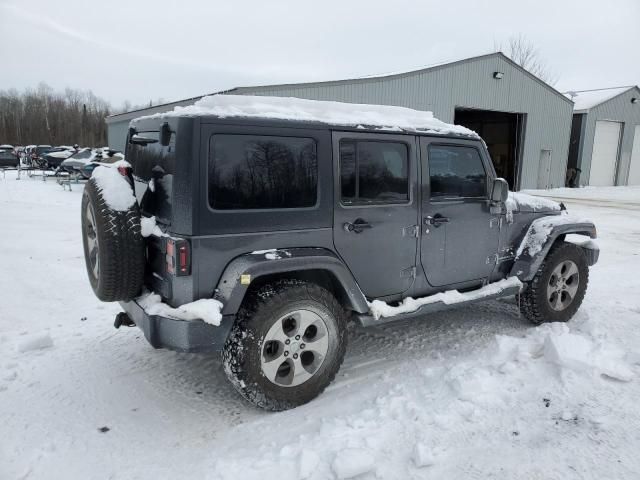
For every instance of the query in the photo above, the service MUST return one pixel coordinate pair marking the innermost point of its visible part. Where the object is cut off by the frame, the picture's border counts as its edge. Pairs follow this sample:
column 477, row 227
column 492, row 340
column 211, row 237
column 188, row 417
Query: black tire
column 120, row 247
column 243, row 349
column 534, row 302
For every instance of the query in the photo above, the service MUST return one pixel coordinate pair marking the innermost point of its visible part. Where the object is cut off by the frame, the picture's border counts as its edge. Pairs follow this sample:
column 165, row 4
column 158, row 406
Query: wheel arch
column 527, row 263
column 251, row 271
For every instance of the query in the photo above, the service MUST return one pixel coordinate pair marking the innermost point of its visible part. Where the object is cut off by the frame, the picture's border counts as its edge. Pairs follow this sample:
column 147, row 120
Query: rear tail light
column 178, row 257
column 124, row 170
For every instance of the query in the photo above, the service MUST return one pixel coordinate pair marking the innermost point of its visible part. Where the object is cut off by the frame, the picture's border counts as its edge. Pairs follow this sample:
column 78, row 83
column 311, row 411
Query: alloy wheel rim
column 563, row 285
column 92, row 241
column 294, row 348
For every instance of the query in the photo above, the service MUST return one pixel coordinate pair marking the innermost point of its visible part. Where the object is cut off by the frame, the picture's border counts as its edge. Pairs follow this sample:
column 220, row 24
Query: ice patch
column 333, row 113
column 115, row 188
column 378, row 308
column 34, row 342
column 208, row 310
column 351, row 462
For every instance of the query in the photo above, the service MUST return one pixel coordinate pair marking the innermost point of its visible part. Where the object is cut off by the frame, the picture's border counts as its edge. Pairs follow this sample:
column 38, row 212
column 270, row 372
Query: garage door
column 605, row 153
column 634, row 168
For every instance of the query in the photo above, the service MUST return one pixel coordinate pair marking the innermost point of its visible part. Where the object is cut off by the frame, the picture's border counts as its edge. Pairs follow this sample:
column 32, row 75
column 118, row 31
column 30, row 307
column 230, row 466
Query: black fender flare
column 243, row 270
column 528, row 260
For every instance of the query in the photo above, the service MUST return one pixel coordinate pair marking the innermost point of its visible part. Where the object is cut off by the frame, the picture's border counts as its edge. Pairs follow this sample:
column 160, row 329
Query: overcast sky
column 139, row 50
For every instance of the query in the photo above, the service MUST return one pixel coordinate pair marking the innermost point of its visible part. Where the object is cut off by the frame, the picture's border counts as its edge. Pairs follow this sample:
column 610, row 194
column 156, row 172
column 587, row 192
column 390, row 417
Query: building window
column 262, row 172
column 456, row 172
column 373, row 172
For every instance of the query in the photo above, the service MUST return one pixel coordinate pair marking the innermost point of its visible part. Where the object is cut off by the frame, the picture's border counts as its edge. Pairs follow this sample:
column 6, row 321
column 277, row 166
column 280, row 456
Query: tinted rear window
column 262, row 172
column 374, row 172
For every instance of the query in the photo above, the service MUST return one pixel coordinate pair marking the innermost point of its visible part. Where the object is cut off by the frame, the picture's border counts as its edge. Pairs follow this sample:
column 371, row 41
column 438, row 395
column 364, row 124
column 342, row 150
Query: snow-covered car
column 85, row 160
column 54, row 157
column 8, row 159
column 260, row 226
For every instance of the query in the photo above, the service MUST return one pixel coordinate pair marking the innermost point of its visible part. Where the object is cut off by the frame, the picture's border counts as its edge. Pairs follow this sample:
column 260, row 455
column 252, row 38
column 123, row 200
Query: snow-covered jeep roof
column 361, row 116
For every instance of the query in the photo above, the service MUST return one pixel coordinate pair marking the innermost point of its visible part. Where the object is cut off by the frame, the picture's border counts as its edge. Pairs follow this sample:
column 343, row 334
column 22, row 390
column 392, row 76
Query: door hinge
column 408, row 273
column 492, row 259
column 411, row 231
column 495, row 221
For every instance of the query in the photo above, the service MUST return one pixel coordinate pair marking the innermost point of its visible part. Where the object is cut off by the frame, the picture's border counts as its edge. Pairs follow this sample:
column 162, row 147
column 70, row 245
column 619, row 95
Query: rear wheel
column 558, row 288
column 287, row 344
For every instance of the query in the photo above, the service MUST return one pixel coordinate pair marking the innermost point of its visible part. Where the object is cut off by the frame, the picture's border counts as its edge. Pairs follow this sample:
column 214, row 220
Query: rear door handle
column 357, row 226
column 436, row 220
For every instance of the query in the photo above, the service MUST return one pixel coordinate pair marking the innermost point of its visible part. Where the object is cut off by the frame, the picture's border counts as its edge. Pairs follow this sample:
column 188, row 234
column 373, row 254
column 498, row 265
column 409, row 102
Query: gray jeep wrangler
column 298, row 227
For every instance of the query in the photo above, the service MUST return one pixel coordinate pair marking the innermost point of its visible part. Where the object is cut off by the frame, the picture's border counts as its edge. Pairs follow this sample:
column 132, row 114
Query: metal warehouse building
column 524, row 121
column 605, row 136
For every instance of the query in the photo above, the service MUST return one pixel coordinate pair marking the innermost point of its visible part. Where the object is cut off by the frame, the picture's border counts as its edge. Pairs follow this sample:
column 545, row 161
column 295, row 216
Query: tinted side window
column 374, row 172
column 260, row 172
column 456, row 171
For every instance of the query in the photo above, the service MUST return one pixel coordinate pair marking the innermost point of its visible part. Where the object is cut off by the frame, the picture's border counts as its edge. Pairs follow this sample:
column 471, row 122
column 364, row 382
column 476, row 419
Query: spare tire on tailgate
column 113, row 244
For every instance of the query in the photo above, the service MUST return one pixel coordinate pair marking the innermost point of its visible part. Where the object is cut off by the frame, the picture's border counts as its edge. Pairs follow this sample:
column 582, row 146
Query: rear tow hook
column 123, row 320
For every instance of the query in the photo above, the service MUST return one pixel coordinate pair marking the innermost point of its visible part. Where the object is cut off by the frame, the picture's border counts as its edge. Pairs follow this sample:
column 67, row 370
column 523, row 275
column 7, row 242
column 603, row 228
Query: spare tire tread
column 121, row 248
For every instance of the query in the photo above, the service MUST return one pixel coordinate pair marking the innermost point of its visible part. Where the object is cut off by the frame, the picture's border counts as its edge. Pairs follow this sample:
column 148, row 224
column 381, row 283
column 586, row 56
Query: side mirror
column 499, row 190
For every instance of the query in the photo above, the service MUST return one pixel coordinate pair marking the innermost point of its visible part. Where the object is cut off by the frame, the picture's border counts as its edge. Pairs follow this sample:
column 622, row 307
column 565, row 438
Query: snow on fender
column 111, row 234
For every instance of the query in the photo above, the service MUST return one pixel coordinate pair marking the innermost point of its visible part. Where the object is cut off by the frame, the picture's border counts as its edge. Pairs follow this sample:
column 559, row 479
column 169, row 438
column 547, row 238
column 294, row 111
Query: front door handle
column 357, row 226
column 436, row 220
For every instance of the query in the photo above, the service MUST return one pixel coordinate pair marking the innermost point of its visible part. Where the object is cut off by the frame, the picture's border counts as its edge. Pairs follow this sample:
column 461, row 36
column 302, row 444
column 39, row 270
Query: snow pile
column 517, row 201
column 148, row 227
column 208, row 310
column 530, row 383
column 332, row 113
column 114, row 187
column 565, row 350
column 34, row 342
column 541, row 228
column 351, row 462
column 379, row 308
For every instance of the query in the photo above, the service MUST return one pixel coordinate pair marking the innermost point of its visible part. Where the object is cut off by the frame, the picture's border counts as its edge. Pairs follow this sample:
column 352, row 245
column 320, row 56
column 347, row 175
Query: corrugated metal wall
column 470, row 84
column 618, row 109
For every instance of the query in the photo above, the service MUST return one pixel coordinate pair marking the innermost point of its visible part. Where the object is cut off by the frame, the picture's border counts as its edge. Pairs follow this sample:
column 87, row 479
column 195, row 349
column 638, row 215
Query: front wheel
column 558, row 288
column 287, row 344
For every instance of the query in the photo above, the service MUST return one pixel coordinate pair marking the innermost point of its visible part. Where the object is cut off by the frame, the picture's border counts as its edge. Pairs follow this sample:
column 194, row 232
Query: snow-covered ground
column 470, row 393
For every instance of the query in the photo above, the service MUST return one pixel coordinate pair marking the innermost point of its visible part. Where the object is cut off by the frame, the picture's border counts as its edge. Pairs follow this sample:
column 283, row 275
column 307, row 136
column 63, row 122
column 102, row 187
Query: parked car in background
column 54, row 157
column 85, row 160
column 8, row 159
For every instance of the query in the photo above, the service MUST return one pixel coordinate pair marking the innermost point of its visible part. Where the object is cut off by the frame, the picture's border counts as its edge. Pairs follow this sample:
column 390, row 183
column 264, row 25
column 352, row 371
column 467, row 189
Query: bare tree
column 43, row 116
column 522, row 51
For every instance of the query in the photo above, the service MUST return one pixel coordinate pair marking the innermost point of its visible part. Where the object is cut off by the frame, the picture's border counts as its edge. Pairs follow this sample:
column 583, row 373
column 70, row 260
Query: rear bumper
column 179, row 335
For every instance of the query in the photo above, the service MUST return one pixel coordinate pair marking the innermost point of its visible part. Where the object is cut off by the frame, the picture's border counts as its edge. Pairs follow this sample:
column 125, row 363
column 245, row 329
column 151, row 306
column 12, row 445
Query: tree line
column 44, row 116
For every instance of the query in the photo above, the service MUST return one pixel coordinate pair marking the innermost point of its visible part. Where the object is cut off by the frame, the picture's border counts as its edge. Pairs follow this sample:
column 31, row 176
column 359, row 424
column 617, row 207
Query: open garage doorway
column 502, row 132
